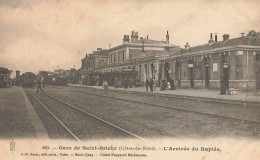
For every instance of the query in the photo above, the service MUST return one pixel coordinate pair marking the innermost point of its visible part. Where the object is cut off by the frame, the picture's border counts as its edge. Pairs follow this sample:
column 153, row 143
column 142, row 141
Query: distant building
column 60, row 72
column 91, row 63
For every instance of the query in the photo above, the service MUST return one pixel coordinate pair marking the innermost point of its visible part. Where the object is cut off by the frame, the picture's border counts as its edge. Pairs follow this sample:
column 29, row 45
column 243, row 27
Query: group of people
column 164, row 84
column 168, row 85
column 150, row 84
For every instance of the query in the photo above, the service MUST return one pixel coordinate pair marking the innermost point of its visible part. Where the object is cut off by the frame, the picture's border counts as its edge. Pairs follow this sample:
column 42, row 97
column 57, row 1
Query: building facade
column 135, row 59
column 235, row 62
column 90, row 64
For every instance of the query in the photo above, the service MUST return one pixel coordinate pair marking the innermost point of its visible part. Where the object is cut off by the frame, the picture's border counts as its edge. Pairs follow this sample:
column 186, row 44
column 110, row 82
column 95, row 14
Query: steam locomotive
column 27, row 79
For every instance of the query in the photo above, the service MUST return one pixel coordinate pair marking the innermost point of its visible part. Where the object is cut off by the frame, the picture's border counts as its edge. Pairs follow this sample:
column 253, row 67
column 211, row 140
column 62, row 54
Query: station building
column 235, row 61
column 135, row 60
column 90, row 64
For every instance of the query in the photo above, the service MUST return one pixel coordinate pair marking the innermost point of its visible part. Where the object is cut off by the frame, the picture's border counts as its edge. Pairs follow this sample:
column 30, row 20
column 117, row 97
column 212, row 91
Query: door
column 160, row 74
column 166, row 71
column 178, row 72
column 226, row 78
column 207, row 71
column 207, row 77
column 191, row 78
column 257, row 72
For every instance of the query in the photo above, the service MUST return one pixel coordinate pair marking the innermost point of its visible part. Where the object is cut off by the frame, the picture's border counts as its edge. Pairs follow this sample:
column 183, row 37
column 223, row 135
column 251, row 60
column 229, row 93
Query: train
column 27, row 79
column 53, row 79
column 56, row 80
column 5, row 79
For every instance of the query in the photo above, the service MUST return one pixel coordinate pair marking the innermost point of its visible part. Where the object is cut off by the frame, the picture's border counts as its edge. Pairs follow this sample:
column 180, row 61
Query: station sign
column 190, row 65
column 215, row 67
column 225, row 65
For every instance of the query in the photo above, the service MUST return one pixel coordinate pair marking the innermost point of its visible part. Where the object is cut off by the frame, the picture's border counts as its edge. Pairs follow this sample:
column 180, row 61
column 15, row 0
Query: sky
column 56, row 34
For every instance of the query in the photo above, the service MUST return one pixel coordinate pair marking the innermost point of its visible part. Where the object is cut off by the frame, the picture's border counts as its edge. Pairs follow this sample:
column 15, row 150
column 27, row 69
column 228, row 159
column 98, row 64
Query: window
column 114, row 57
column 123, row 56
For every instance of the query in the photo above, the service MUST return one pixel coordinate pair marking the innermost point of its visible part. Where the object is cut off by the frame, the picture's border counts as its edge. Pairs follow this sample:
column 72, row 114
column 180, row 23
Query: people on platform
column 168, row 85
column 172, row 83
column 38, row 86
column 105, row 86
column 43, row 82
column 163, row 86
column 126, row 83
column 151, row 84
column 155, row 84
column 116, row 83
column 147, row 84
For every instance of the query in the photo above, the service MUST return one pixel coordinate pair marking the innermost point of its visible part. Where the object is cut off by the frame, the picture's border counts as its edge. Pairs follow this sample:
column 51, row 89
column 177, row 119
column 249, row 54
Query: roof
column 150, row 41
column 97, row 54
column 247, row 41
column 155, row 53
column 101, row 53
column 147, row 43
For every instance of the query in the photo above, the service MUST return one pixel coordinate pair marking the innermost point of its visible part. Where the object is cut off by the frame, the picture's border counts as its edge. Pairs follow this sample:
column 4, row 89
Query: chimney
column 187, row 46
column 216, row 37
column 225, row 37
column 147, row 37
column 134, row 36
column 99, row 49
column 126, row 39
column 109, row 46
column 167, row 38
column 211, row 38
column 242, row 34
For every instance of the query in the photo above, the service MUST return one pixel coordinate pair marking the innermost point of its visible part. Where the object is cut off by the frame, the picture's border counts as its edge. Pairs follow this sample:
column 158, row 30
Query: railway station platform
column 18, row 119
column 213, row 95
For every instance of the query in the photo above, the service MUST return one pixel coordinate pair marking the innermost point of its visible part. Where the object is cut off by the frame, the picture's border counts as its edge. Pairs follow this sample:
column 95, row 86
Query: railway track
column 171, row 108
column 200, row 99
column 106, row 126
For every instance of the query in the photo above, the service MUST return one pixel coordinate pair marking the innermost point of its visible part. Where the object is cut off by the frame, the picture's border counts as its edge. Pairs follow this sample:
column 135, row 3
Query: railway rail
column 171, row 107
column 74, row 135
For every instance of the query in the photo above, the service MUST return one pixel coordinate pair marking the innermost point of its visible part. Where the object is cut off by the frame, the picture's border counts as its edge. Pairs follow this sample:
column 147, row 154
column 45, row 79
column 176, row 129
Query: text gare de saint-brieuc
column 109, row 148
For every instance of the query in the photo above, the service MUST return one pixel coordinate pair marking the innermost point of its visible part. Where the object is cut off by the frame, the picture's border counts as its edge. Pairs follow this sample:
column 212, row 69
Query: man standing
column 38, row 86
column 154, row 85
column 43, row 82
column 172, row 83
column 147, row 84
column 105, row 85
column 151, row 84
column 163, row 86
